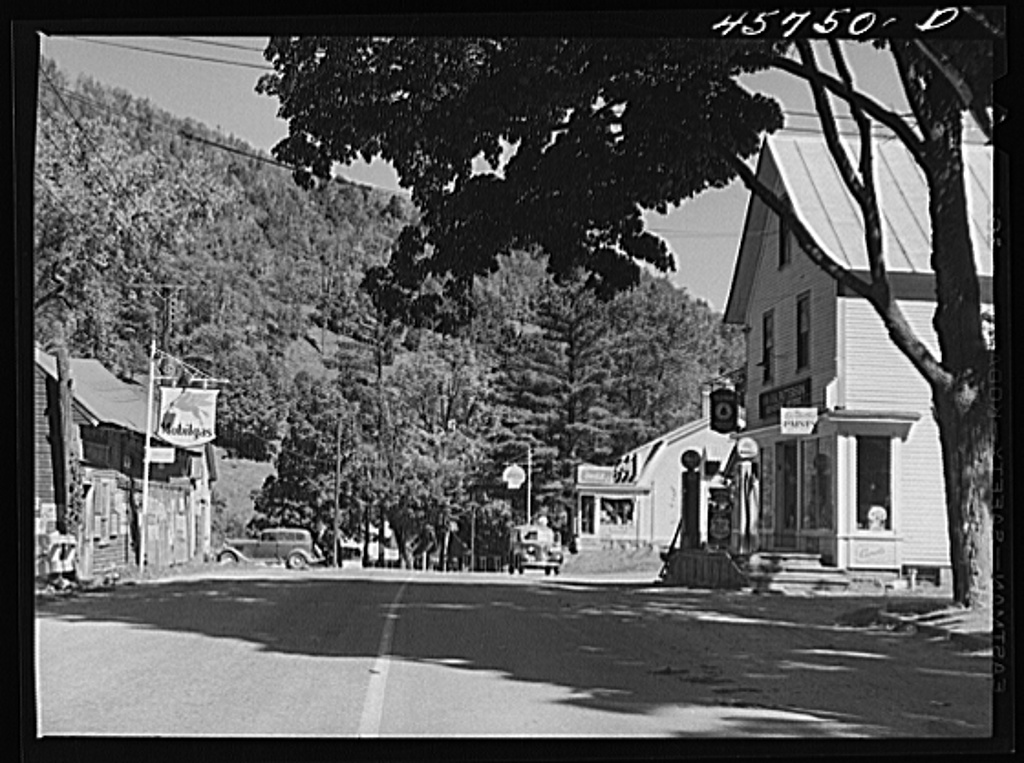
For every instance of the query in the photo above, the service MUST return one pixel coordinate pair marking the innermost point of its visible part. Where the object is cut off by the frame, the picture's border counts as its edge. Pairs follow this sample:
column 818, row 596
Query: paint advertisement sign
column 798, row 421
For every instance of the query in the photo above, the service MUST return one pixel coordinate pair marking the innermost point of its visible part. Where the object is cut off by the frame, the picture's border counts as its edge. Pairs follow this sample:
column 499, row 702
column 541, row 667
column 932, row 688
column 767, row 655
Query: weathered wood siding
column 879, row 377
column 44, row 449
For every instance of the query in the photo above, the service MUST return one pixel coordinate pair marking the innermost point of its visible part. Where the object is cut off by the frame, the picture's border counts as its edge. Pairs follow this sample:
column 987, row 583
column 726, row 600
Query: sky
column 212, row 80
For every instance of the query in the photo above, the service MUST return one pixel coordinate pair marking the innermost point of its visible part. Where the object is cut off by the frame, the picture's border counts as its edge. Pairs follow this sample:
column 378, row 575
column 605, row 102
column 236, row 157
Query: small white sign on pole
column 513, row 476
column 798, row 421
column 159, row 455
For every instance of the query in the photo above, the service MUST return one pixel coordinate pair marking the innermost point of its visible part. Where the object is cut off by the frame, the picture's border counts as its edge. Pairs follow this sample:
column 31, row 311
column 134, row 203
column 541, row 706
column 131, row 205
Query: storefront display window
column 617, row 511
column 817, row 488
column 874, row 483
column 587, row 515
column 767, row 490
column 785, row 485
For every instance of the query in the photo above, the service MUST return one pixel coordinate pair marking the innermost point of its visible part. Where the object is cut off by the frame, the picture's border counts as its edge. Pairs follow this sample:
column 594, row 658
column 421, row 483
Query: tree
column 322, row 435
column 552, row 373
column 942, row 80
column 602, row 128
column 664, row 349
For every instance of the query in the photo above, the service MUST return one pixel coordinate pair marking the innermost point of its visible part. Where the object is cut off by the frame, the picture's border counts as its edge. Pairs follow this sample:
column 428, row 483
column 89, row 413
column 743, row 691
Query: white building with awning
column 638, row 501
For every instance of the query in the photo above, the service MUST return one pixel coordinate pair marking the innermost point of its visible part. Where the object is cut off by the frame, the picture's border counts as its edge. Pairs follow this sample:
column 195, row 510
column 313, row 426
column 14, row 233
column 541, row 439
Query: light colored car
column 534, row 547
column 291, row 545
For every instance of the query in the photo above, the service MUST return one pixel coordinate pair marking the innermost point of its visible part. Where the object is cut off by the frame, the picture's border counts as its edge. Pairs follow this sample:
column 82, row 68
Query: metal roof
column 802, row 168
column 821, row 198
column 105, row 397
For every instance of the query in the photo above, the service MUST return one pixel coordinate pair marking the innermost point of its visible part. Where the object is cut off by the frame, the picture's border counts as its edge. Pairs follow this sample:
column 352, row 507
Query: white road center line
column 373, row 709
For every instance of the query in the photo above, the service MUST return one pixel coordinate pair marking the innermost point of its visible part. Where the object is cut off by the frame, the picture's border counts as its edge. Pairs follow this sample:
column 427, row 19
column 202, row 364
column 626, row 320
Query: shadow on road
column 753, row 659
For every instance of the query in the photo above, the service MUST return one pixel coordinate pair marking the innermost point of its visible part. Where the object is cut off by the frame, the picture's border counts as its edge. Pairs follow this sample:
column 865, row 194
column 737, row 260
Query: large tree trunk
column 967, row 434
column 963, row 399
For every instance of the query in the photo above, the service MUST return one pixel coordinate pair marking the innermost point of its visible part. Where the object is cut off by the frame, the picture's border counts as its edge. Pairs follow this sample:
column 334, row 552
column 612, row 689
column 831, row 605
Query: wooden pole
column 529, row 479
column 65, row 522
column 146, row 457
column 337, row 493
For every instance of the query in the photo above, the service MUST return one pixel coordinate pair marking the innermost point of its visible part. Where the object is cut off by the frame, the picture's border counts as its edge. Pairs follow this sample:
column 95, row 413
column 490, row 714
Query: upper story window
column 785, row 253
column 803, row 331
column 767, row 344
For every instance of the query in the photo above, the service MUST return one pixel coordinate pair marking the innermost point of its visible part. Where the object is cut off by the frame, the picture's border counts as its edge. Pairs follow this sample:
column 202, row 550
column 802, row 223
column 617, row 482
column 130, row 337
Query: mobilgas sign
column 187, row 416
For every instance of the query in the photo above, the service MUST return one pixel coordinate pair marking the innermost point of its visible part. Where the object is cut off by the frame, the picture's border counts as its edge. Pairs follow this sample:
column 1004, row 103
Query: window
column 587, row 515
column 803, row 331
column 767, row 344
column 874, row 483
column 817, row 487
column 785, row 254
column 617, row 511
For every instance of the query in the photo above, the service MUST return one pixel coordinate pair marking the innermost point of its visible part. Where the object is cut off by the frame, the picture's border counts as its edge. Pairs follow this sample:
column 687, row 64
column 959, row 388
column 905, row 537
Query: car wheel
column 297, row 561
column 558, row 570
column 547, row 570
column 227, row 557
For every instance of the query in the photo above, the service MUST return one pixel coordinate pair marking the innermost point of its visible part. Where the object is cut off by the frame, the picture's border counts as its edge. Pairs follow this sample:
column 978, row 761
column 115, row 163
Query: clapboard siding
column 879, row 377
column 922, row 521
column 778, row 289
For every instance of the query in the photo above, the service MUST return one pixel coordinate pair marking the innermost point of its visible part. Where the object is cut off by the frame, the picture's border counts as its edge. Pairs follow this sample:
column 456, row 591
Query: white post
column 146, row 458
column 529, row 473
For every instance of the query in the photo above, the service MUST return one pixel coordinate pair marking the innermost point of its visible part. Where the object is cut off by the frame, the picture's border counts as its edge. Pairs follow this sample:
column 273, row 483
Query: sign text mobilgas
column 187, row 416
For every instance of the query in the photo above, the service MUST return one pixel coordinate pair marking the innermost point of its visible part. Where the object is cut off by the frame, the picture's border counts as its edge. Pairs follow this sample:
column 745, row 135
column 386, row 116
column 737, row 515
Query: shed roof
column 801, row 167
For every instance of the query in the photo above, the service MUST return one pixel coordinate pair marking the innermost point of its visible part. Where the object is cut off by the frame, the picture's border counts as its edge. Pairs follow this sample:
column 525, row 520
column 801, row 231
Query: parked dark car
column 293, row 546
column 535, row 547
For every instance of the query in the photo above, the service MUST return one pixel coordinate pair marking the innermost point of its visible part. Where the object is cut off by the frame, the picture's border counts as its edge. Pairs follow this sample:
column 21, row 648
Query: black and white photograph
column 550, row 380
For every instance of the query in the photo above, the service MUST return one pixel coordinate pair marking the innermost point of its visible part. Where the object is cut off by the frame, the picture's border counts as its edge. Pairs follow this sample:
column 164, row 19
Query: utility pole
column 529, row 479
column 472, row 541
column 147, row 457
column 337, row 494
column 70, row 519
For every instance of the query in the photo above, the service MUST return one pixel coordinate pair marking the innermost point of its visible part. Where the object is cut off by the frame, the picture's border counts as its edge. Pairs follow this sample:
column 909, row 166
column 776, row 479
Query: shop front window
column 617, row 511
column 817, row 488
column 785, row 486
column 874, row 483
column 587, row 515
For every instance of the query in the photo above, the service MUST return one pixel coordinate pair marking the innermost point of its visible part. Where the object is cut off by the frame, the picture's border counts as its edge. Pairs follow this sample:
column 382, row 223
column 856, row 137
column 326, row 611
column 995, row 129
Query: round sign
column 513, row 476
column 720, row 527
column 746, row 449
column 690, row 459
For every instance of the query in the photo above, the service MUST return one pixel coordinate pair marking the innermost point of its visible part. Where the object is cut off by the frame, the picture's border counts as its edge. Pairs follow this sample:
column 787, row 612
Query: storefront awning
column 615, row 489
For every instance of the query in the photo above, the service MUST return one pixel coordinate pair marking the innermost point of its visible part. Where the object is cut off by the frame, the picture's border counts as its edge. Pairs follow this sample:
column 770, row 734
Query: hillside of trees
column 149, row 225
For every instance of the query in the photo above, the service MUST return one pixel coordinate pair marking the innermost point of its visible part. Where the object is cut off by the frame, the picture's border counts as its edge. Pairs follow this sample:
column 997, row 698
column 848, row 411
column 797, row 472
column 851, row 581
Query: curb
column 973, row 641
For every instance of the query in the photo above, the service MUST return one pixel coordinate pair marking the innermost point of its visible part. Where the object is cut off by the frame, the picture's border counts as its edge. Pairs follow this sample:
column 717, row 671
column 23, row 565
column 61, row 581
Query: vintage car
column 291, row 545
column 534, row 547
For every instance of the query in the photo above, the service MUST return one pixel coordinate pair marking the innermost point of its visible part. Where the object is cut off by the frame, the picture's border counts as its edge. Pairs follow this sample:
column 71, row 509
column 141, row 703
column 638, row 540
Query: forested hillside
column 147, row 225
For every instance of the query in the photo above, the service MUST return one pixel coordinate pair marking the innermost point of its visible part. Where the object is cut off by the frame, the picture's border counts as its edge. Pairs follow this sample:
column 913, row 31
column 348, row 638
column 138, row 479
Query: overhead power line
column 219, row 44
column 173, row 54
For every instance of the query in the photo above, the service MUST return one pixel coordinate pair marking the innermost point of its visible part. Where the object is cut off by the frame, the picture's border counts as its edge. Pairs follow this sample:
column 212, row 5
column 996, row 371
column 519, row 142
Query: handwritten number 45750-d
column 839, row 21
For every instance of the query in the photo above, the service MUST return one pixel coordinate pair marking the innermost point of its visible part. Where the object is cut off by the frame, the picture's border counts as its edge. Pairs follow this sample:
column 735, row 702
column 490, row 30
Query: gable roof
column 802, row 168
column 715, row 445
column 104, row 397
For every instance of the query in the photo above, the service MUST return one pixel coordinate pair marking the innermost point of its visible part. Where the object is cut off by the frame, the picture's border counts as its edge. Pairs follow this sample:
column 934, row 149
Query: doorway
column 785, row 494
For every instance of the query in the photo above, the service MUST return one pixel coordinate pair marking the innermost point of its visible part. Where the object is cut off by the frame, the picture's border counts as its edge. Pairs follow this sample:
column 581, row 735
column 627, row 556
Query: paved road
column 381, row 653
